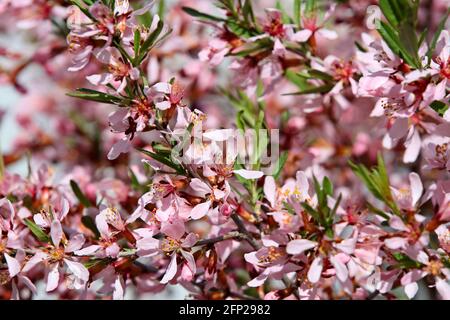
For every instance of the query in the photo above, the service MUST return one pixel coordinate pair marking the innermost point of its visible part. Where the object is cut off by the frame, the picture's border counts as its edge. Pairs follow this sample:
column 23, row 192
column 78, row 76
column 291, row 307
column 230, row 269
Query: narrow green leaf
column 89, row 223
column 392, row 39
column 297, row 11
column 201, row 15
column 312, row 212
column 93, row 95
column 164, row 160
column 321, row 89
column 280, row 164
column 327, row 186
column 389, row 12
column 37, row 231
column 438, row 32
column 151, row 39
column 137, row 44
column 79, row 194
column 439, row 106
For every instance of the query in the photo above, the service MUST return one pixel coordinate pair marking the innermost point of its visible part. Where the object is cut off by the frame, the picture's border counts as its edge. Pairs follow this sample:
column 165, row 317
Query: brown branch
column 228, row 236
column 241, row 227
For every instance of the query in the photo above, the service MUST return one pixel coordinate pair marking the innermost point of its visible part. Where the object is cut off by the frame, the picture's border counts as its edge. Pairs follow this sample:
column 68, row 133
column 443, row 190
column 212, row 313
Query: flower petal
column 77, row 269
column 315, row 270
column 56, row 232
column 299, row 246
column 200, row 210
column 249, row 174
column 416, row 187
column 171, row 270
column 13, row 265
column 53, row 278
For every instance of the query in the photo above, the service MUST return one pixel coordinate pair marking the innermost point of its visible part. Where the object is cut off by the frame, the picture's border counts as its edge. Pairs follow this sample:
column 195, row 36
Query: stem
column 228, row 236
column 373, row 295
column 243, row 230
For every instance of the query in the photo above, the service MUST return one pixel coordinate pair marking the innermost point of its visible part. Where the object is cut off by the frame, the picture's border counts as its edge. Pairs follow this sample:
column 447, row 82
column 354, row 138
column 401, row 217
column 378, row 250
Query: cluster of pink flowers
column 121, row 198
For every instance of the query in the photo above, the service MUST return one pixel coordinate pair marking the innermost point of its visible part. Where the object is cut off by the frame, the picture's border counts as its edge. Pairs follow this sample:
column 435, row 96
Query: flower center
column 434, row 267
column 168, row 245
column 272, row 255
column 56, row 254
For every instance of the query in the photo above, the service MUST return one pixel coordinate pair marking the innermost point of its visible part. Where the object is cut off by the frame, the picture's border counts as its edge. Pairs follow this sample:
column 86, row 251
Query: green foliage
column 280, row 164
column 300, row 79
column 405, row 262
column 200, row 15
column 399, row 32
column 89, row 223
column 80, row 195
column 165, row 159
column 148, row 43
column 242, row 24
column 93, row 95
column 440, row 27
column 440, row 107
column 37, row 231
column 377, row 181
column 323, row 214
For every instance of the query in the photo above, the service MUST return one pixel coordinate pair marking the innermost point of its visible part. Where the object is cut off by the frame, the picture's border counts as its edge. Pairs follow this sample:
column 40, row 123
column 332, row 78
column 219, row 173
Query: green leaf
column 439, row 106
column 164, row 160
column 312, row 212
column 377, row 181
column 150, row 41
column 377, row 211
column 317, row 74
column 83, row 9
column 393, row 41
column 89, row 223
column 297, row 11
column 80, row 195
column 438, row 32
column 321, row 89
column 310, row 6
column 195, row 13
column 247, row 11
column 134, row 180
column 388, row 9
column 137, row 44
column 297, row 79
column 161, row 8
column 405, row 262
column 93, row 95
column 239, row 30
column 37, row 231
column 410, row 42
column 360, row 47
column 93, row 262
column 280, row 164
column 327, row 186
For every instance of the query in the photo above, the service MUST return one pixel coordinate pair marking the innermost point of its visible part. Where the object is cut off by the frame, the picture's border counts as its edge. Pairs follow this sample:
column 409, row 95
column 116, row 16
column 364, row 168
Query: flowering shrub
column 238, row 149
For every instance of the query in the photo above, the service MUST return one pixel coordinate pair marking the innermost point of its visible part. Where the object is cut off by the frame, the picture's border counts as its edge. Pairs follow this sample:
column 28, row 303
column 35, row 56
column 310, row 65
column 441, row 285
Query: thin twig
column 373, row 295
column 242, row 229
column 228, row 236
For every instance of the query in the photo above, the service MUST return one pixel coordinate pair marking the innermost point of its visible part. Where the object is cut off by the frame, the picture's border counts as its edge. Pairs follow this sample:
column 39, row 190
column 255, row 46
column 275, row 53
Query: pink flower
column 408, row 197
column 172, row 246
column 120, row 71
column 271, row 259
column 215, row 52
column 110, row 224
column 59, row 254
column 434, row 267
column 311, row 27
